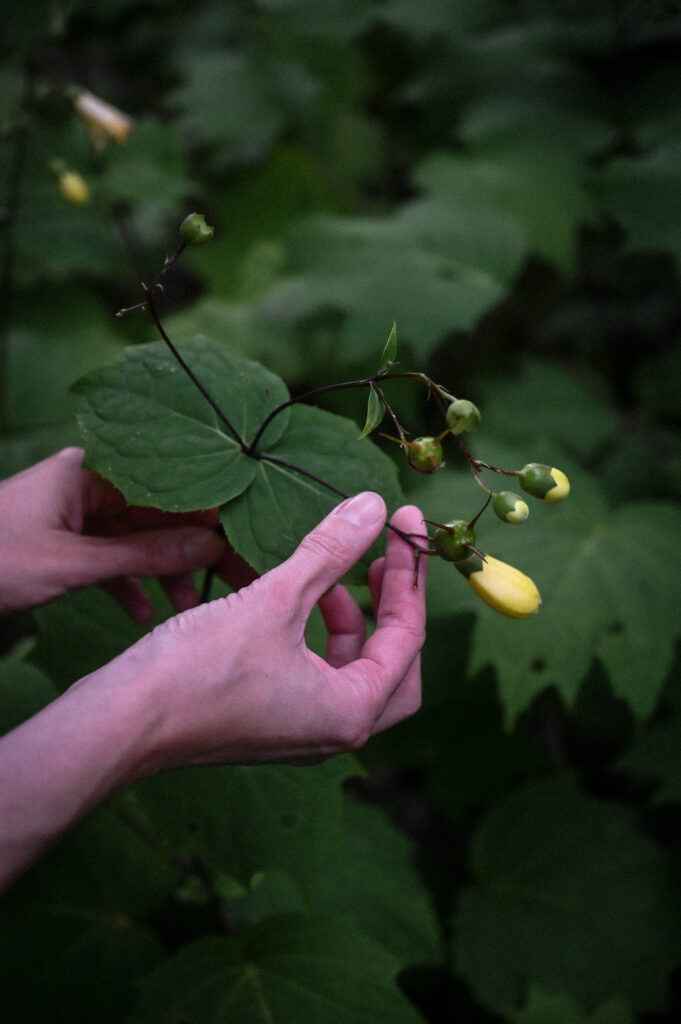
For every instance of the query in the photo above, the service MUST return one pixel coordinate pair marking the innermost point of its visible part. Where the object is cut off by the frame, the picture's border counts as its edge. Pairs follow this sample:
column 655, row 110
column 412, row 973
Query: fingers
column 346, row 627
column 132, row 597
column 163, row 553
column 333, row 547
column 389, row 661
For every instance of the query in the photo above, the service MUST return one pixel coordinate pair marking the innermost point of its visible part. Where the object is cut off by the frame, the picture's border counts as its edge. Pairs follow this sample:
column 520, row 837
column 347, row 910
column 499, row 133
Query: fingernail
column 362, row 510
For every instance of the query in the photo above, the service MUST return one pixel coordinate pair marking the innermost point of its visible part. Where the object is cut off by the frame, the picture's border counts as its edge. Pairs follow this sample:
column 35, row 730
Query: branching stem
column 151, row 306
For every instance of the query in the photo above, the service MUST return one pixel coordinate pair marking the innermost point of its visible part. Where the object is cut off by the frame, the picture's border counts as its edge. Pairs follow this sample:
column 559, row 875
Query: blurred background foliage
column 504, row 181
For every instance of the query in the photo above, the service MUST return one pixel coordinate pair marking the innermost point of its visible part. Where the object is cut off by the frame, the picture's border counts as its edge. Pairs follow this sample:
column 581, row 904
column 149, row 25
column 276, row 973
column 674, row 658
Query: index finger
column 401, row 611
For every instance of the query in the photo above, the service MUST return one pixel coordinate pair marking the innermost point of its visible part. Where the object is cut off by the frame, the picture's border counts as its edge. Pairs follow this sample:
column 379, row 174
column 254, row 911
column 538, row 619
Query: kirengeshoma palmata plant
column 501, row 586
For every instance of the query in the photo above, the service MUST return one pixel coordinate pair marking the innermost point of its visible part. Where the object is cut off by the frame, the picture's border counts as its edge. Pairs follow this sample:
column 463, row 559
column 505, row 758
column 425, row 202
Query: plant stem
column 151, row 306
column 336, row 490
column 9, row 219
column 364, row 382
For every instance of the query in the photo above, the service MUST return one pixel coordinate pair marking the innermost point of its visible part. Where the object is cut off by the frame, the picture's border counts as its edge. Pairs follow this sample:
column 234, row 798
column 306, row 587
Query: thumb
column 333, row 547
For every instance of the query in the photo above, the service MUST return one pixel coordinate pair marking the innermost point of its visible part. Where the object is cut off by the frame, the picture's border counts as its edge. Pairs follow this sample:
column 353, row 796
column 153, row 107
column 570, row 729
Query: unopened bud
column 462, row 415
column 194, row 230
column 544, row 482
column 73, row 188
column 510, row 507
column 453, row 540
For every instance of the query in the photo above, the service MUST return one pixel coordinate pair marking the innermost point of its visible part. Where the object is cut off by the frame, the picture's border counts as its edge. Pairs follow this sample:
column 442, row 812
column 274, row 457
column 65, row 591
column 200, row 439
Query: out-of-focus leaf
column 242, row 821
column 654, row 757
column 538, row 187
column 435, row 266
column 83, row 905
column 562, row 1008
column 320, row 970
column 24, row 690
column 58, row 334
column 370, row 877
column 542, row 399
column 570, row 896
column 643, row 196
column 81, row 631
column 251, row 216
column 604, row 595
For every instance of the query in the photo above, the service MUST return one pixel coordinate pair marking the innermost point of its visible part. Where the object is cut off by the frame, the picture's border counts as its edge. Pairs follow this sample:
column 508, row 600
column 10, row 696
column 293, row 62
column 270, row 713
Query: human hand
column 233, row 680
column 64, row 527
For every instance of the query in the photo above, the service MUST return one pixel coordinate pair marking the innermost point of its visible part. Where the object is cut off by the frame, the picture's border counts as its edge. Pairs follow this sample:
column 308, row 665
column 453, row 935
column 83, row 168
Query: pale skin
column 231, row 681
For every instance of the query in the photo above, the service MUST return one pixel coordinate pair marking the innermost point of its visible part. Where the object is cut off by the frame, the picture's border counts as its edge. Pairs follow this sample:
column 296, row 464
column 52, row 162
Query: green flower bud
column 462, row 415
column 544, row 482
column 510, row 507
column 450, row 540
column 424, row 454
column 194, row 230
column 501, row 586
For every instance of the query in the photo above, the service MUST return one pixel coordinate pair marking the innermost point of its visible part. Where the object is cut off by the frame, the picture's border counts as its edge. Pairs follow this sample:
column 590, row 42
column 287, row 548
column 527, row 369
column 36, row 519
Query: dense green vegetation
column 504, row 182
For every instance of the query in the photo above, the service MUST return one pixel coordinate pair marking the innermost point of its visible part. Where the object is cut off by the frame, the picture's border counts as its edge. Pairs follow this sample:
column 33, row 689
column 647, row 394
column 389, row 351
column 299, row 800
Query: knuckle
column 322, row 548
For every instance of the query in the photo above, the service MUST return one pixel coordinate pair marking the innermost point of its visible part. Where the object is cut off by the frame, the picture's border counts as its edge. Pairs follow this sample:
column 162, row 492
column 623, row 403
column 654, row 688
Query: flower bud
column 462, row 415
column 103, row 120
column 501, row 586
column 424, row 454
column 510, row 507
column 451, row 540
column 544, row 482
column 194, row 230
column 73, row 188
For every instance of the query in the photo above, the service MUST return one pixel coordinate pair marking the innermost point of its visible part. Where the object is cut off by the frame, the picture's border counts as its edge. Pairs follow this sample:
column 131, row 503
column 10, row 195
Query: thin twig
column 151, row 306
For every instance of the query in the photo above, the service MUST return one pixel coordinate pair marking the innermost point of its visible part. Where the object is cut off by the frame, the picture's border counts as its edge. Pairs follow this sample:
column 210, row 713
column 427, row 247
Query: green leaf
column 570, row 896
column 24, row 690
column 389, row 353
column 375, row 413
column 536, row 185
column 561, row 1008
column 541, row 399
column 370, row 876
column 244, row 821
column 58, row 333
column 79, row 632
column 604, row 594
column 655, row 757
column 71, row 939
column 435, row 265
column 642, row 195
column 270, row 518
column 150, row 432
column 321, row 971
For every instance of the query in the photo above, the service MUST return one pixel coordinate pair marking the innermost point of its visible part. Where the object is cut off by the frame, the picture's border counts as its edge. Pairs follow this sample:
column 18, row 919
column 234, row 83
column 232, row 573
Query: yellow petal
column 562, row 488
column 505, row 589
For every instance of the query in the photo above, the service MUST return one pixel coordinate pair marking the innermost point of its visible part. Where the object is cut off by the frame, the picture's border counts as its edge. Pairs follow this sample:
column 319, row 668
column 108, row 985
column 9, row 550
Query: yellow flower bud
column 544, row 482
column 73, row 188
column 562, row 488
column 501, row 586
column 103, row 120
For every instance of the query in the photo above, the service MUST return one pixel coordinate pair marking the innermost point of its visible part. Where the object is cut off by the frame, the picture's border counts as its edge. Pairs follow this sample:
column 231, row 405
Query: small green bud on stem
column 544, row 482
column 194, row 230
column 510, row 507
column 454, row 541
column 462, row 415
column 424, row 454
